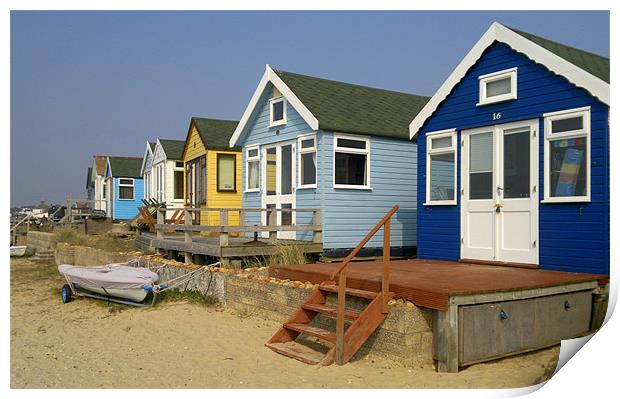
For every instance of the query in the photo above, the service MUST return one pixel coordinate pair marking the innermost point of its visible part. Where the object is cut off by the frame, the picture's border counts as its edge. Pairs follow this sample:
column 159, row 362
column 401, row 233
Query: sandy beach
column 91, row 344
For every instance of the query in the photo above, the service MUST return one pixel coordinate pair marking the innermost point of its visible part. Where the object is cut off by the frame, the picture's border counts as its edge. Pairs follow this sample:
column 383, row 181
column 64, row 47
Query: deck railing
column 341, row 273
column 183, row 220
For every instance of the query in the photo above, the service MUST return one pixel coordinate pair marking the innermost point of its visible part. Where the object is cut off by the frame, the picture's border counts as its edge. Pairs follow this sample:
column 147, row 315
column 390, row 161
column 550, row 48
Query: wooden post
column 340, row 309
column 446, row 339
column 161, row 219
column 272, row 217
column 70, row 208
column 385, row 282
column 188, row 234
column 242, row 222
column 224, row 224
column 317, row 236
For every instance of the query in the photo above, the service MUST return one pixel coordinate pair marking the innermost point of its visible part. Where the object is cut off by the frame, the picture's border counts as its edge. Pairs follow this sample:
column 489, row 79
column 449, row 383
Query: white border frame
column 175, row 169
column 453, row 149
column 483, row 80
column 249, row 159
column 301, row 151
column 498, row 32
column 347, row 150
column 132, row 185
column 272, row 101
column 549, row 136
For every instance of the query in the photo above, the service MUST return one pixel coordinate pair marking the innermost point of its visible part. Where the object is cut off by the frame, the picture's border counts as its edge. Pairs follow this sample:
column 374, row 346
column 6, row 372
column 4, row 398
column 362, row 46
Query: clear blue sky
column 85, row 83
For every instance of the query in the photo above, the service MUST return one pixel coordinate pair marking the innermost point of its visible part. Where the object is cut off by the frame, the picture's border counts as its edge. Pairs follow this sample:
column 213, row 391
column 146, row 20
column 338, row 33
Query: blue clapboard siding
column 128, row 209
column 573, row 236
column 347, row 215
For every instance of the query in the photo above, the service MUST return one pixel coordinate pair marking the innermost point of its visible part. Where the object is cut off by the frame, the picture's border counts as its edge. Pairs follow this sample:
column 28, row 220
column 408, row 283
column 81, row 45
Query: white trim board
column 498, row 32
column 271, row 76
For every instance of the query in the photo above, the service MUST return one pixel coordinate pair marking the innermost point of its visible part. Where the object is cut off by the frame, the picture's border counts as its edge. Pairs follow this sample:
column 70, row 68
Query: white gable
column 271, row 76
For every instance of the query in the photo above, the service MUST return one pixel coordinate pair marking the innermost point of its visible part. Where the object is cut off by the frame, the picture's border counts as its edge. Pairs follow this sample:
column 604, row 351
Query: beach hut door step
column 362, row 325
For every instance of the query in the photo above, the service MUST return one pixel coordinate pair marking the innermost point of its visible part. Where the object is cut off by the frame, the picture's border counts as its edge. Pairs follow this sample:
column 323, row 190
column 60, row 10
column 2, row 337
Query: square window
column 351, row 162
column 441, row 168
column 567, row 156
column 277, row 111
column 498, row 86
column 226, row 173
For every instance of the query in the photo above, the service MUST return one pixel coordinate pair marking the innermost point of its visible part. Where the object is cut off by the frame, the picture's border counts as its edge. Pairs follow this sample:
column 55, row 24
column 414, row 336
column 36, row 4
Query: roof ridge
column 278, row 71
column 519, row 31
column 214, row 119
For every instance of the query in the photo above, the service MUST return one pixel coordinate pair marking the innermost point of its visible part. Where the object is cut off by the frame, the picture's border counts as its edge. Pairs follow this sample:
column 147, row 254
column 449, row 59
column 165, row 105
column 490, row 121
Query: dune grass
column 284, row 255
column 105, row 242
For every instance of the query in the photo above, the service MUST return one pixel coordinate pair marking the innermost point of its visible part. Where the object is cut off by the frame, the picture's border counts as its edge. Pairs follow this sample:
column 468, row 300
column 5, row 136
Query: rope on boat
column 183, row 279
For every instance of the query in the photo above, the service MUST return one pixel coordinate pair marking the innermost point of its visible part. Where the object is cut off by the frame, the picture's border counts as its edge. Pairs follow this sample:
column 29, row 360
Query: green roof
column 589, row 62
column 350, row 108
column 173, row 148
column 89, row 180
column 125, row 166
column 215, row 133
column 152, row 145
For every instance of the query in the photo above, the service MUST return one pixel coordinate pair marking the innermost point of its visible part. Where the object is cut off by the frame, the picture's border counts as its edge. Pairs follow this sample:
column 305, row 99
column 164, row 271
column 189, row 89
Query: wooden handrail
column 341, row 272
column 372, row 232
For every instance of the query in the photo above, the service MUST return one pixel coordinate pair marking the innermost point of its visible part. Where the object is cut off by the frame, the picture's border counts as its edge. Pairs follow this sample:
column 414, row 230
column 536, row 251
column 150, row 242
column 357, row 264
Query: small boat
column 109, row 281
column 18, row 250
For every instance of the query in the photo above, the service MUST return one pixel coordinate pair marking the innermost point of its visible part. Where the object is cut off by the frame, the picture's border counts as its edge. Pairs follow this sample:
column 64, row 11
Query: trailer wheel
column 65, row 293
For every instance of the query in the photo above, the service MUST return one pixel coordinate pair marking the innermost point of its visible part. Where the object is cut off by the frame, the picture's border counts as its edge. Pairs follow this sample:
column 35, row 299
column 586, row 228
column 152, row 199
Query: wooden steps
column 297, row 351
column 330, row 311
column 363, row 324
column 346, row 340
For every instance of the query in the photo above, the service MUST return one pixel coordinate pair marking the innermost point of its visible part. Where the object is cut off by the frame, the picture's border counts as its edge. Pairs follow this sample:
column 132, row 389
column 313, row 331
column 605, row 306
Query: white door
column 499, row 207
column 279, row 185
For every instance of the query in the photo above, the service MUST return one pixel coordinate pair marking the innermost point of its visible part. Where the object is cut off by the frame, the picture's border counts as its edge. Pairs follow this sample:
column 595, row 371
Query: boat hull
column 19, row 250
column 132, row 294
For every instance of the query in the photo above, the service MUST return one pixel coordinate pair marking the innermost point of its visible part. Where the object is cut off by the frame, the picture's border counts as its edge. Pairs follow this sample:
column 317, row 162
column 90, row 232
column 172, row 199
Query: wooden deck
column 437, row 284
column 210, row 246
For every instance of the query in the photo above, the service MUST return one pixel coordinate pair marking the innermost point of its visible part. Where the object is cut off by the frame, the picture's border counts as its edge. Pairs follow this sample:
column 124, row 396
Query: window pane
column 352, row 143
column 308, row 143
column 178, row 164
column 517, row 165
column 481, row 152
column 253, row 153
column 498, row 87
column 442, row 177
column 308, row 168
column 287, row 216
column 253, row 168
column 125, row 181
column 277, row 111
column 125, row 192
column 567, row 124
column 271, row 171
column 481, row 185
column 568, row 172
column 178, row 184
column 443, row 142
column 351, row 169
column 287, row 169
column 226, row 172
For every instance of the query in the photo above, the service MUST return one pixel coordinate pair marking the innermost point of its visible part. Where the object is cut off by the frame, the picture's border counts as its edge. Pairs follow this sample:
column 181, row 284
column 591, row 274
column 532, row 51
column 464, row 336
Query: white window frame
column 301, row 151
column 281, row 122
column 584, row 112
column 175, row 169
column 495, row 76
column 132, row 185
column 348, row 150
column 439, row 151
column 249, row 159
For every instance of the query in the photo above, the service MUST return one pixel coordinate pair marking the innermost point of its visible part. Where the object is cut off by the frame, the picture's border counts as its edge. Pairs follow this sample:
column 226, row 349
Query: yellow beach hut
column 212, row 169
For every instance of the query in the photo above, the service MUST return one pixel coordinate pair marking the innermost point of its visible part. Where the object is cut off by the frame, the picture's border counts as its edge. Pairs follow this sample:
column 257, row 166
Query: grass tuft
column 191, row 296
column 104, row 242
column 284, row 255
